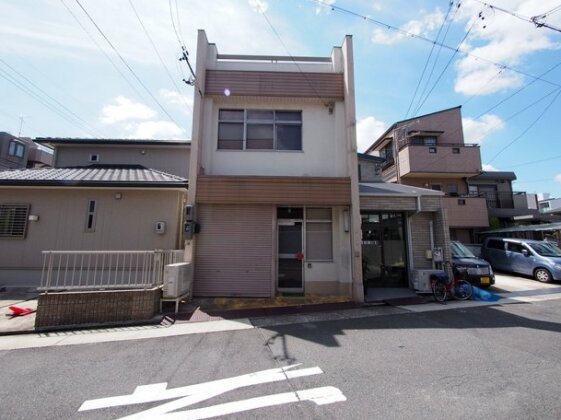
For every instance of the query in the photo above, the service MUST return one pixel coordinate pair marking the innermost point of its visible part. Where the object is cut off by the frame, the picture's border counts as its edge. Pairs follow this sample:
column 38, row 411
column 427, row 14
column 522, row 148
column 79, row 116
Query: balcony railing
column 413, row 142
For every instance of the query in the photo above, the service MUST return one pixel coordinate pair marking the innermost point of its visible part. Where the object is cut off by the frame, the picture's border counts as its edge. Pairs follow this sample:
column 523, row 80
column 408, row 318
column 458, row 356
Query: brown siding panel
column 234, row 252
column 277, row 84
column 273, row 190
column 389, row 203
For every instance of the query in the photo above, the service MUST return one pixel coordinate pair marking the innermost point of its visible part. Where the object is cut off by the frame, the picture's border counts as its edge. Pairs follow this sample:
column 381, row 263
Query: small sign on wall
column 437, row 255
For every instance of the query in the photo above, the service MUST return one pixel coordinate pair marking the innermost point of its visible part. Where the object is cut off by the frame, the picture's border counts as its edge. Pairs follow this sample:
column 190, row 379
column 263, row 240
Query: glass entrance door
column 383, row 250
column 290, row 251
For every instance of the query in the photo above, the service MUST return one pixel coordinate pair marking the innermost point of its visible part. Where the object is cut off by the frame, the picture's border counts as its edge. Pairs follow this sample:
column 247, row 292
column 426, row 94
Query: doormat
column 410, row 300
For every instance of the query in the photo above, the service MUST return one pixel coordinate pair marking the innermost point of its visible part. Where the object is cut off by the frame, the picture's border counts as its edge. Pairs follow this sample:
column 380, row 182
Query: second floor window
column 16, row 149
column 256, row 129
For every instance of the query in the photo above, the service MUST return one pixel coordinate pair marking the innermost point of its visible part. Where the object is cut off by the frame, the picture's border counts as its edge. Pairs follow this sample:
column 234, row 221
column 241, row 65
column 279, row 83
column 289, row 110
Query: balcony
column 466, row 211
column 444, row 159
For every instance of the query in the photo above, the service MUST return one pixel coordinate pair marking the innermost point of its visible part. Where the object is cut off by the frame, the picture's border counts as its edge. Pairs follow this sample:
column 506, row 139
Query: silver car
column 539, row 259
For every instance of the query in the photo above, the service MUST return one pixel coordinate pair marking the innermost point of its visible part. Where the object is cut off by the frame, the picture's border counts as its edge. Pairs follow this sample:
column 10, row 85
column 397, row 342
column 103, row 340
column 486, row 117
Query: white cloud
column 558, row 178
column 124, row 109
column 259, row 6
column 367, row 130
column 156, row 130
column 320, row 8
column 475, row 131
column 423, row 26
column 489, row 168
column 503, row 39
column 183, row 102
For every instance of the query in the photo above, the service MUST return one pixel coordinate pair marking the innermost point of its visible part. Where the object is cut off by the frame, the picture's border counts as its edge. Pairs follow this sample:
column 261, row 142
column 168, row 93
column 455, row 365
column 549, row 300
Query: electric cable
column 450, row 4
column 426, row 39
column 126, row 64
column 159, row 56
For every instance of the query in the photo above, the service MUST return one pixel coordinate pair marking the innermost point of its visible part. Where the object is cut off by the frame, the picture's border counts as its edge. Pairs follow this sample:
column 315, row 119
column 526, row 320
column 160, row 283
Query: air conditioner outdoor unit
column 177, row 280
column 421, row 280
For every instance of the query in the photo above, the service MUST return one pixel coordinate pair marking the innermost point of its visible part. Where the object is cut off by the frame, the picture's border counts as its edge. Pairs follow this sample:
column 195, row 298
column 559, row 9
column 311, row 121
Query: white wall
column 323, row 141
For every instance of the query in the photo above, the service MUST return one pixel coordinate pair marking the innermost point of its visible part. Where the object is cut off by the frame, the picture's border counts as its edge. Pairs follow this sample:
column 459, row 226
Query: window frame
column 15, row 148
column 318, row 221
column 249, row 122
column 91, row 216
column 22, row 232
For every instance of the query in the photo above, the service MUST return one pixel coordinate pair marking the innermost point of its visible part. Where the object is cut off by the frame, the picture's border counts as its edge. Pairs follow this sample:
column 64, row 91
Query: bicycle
column 458, row 288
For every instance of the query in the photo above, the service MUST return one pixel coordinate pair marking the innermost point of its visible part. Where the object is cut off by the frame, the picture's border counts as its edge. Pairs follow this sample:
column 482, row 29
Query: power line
column 289, row 54
column 5, row 75
column 438, row 54
column 529, row 126
column 158, row 54
column 125, row 63
column 446, row 66
column 101, row 50
column 536, row 161
column 535, row 20
column 450, row 4
column 58, row 103
column 426, row 39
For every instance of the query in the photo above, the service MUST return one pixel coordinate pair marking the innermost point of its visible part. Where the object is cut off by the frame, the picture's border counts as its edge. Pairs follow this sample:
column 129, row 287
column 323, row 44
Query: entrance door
column 383, row 250
column 290, row 256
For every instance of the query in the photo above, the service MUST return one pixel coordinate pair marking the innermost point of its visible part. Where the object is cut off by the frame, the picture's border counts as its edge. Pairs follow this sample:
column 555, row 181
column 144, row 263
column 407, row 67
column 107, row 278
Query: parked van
column 539, row 259
column 468, row 267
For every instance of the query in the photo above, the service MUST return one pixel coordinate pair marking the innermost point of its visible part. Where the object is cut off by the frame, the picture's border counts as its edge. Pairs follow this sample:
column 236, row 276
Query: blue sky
column 61, row 77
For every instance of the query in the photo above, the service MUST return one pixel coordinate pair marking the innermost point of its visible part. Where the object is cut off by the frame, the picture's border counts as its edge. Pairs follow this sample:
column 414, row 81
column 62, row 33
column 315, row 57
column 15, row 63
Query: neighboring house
column 22, row 152
column 275, row 187
column 551, row 206
column 112, row 204
column 170, row 156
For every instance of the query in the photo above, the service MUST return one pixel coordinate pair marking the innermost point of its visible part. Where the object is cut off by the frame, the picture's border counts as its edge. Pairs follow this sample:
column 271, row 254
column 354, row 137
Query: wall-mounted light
column 346, row 220
column 118, row 196
column 33, row 217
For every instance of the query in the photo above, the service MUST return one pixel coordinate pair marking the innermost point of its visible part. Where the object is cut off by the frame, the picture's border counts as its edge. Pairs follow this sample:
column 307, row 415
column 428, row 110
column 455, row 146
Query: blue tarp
column 484, row 295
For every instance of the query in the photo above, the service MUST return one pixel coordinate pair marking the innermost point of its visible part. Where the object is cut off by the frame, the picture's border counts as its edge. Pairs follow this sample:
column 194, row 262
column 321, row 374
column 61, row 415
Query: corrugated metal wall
column 234, row 251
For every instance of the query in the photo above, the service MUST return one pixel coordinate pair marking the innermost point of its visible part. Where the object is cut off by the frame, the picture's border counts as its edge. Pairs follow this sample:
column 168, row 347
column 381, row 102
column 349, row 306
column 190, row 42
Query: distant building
column 22, row 152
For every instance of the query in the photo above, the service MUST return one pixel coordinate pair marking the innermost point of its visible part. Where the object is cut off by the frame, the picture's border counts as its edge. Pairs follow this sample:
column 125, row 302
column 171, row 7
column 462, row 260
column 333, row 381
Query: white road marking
column 192, row 394
column 319, row 396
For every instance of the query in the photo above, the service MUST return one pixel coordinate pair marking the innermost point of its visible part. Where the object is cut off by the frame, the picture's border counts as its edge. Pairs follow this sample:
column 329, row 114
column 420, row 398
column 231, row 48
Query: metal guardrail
column 96, row 270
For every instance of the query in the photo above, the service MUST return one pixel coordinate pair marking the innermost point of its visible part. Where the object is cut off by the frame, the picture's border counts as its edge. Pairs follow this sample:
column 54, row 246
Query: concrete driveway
column 507, row 282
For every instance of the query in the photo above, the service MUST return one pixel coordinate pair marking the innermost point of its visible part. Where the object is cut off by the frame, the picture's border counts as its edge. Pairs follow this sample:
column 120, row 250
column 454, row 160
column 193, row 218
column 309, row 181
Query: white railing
column 95, row 270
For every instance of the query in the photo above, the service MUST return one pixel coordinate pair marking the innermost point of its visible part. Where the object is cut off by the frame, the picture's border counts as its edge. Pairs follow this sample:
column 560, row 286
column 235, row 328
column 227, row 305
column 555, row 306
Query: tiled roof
column 92, row 176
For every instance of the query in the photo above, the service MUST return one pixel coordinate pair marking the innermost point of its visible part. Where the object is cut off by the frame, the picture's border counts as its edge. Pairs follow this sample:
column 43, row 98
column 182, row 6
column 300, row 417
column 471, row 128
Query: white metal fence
column 94, row 270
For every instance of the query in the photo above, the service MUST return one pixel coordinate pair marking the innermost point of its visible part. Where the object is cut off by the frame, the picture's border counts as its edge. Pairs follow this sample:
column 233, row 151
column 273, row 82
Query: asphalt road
column 498, row 361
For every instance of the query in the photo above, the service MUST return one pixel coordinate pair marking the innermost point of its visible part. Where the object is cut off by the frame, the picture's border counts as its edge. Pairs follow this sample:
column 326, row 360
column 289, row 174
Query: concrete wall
column 171, row 159
column 125, row 224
